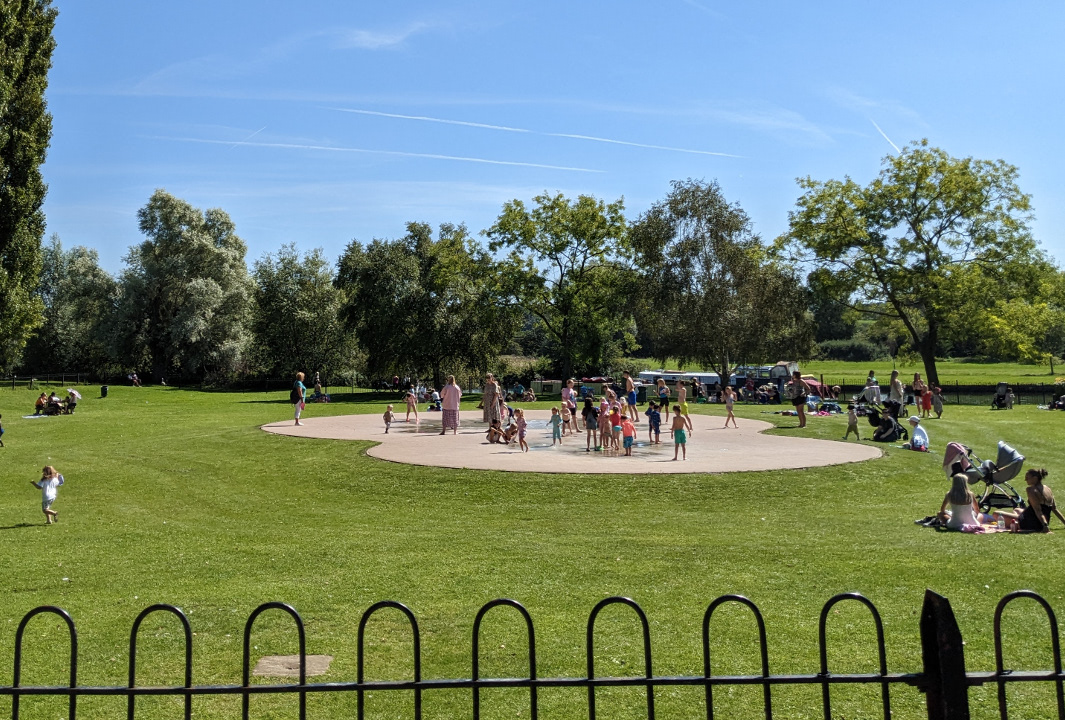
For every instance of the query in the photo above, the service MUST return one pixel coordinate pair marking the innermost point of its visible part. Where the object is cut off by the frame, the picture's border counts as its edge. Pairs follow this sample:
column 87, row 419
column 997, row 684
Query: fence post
column 957, row 392
column 943, row 655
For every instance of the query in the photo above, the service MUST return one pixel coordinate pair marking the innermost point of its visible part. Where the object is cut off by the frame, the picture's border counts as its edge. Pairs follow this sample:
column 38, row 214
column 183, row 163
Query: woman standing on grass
column 450, row 395
column 298, row 396
column 797, row 392
column 895, row 390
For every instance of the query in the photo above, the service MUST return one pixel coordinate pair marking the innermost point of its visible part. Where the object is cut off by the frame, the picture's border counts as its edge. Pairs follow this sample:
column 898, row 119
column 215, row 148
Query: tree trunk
column 927, row 348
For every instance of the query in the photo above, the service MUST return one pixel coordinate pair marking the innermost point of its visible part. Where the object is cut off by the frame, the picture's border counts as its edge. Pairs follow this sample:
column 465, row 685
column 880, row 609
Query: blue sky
column 345, row 120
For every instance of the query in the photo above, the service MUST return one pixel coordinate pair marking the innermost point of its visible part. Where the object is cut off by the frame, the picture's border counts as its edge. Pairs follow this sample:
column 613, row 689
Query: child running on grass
column 519, row 420
column 730, row 401
column 49, row 487
column 389, row 417
column 558, row 424
column 680, row 435
column 628, row 430
column 654, row 424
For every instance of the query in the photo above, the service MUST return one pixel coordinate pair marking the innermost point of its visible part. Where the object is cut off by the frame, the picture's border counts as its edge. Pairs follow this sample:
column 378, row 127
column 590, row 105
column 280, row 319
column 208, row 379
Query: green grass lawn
column 176, row 496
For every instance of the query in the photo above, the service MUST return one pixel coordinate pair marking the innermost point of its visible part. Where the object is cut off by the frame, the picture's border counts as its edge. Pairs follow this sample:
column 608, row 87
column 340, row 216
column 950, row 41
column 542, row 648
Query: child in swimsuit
column 680, row 436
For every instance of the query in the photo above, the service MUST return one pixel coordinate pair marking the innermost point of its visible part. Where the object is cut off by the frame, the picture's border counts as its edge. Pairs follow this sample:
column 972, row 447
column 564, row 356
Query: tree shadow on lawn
column 366, row 398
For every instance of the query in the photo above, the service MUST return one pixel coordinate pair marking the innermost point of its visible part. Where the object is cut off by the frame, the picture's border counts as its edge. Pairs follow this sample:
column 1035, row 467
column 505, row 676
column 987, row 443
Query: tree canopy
column 296, row 318
column 423, row 305
column 902, row 242
column 26, row 46
column 78, row 297
column 711, row 292
column 570, row 267
column 185, row 302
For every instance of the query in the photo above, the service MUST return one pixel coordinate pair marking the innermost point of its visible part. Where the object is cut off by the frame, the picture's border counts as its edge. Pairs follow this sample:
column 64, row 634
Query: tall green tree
column 78, row 296
column 903, row 239
column 422, row 305
column 185, row 293
column 26, row 46
column 711, row 292
column 570, row 267
column 296, row 321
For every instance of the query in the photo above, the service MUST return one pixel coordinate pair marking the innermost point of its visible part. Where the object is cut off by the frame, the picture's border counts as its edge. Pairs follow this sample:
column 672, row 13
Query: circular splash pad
column 711, row 448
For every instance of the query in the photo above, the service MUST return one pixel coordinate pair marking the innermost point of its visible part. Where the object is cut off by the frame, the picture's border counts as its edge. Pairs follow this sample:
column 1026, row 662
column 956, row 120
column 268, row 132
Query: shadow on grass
column 16, row 527
column 348, row 398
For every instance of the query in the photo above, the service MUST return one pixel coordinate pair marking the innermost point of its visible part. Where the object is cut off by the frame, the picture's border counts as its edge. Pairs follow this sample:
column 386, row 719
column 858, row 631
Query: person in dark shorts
column 797, row 391
column 1041, row 505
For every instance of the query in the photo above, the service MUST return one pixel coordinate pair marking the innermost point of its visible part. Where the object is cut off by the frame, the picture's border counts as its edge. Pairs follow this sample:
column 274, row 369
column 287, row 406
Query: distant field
column 950, row 371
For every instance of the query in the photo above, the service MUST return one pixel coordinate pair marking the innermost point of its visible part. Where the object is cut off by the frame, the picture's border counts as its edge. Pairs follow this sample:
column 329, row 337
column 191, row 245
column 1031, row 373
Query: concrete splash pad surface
column 711, row 448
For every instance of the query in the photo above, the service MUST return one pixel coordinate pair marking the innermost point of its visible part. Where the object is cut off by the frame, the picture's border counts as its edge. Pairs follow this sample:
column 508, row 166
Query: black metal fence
column 955, row 393
column 943, row 678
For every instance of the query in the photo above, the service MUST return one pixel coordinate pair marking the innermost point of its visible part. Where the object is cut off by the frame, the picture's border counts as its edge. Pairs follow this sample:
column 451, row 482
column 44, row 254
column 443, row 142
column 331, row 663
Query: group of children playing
column 607, row 426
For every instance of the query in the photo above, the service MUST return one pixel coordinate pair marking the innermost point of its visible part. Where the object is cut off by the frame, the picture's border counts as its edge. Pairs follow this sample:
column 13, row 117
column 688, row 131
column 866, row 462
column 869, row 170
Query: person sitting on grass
column 963, row 508
column 918, row 436
column 40, row 405
column 1035, row 517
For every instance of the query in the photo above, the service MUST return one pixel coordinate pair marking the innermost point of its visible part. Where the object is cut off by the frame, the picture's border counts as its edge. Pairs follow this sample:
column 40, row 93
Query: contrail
column 245, row 140
column 432, row 119
column 884, row 135
column 504, row 128
column 398, row 153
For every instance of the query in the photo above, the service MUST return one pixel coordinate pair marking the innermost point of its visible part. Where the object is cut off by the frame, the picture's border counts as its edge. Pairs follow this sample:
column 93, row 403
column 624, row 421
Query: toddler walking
column 852, row 423
column 389, row 418
column 49, row 487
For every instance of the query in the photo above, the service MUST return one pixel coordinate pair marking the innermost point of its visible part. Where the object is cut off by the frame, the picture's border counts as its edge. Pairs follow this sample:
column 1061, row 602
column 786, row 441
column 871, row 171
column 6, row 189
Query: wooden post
column 943, row 655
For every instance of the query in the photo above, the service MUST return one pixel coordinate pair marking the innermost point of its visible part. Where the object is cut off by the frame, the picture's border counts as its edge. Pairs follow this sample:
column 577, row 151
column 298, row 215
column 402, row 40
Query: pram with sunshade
column 998, row 493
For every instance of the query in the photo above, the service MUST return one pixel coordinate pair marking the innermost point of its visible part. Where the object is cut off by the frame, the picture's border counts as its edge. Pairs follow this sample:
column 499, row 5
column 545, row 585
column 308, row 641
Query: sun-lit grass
column 176, row 496
column 964, row 372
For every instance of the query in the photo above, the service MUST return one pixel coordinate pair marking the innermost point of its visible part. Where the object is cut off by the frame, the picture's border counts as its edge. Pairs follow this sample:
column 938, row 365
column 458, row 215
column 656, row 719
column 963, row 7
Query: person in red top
column 628, row 430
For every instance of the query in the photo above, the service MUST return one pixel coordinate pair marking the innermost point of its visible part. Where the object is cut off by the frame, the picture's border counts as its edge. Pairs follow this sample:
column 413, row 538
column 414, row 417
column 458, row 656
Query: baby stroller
column 1001, row 400
column 886, row 421
column 998, row 493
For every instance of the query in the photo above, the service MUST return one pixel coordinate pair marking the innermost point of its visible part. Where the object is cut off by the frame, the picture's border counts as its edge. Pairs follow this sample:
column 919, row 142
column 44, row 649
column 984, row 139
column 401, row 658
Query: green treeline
column 932, row 258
